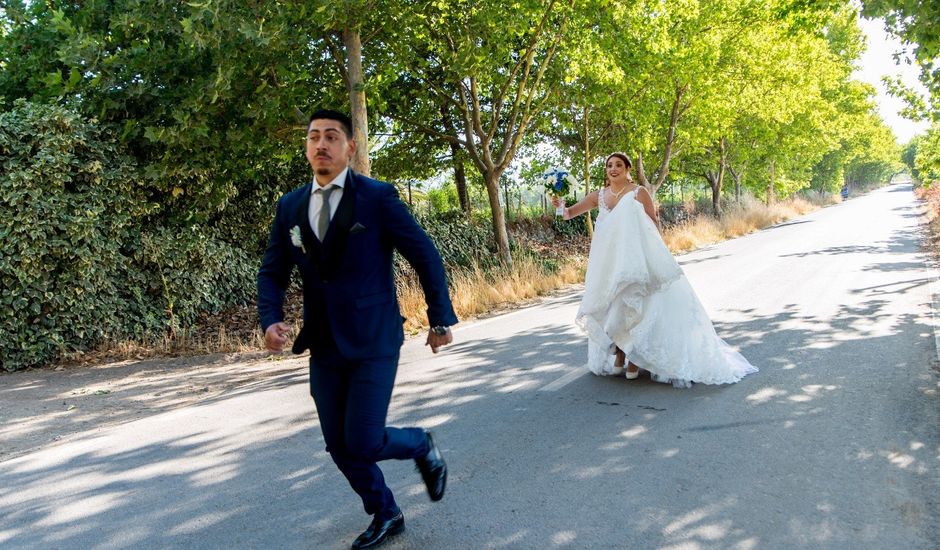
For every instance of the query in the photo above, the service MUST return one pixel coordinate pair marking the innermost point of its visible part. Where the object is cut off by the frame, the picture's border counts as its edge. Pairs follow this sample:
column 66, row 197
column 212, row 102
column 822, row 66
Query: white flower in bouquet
column 559, row 183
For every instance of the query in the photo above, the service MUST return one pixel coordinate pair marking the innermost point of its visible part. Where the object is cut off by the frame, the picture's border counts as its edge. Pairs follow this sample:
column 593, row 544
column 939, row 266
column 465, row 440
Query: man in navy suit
column 340, row 231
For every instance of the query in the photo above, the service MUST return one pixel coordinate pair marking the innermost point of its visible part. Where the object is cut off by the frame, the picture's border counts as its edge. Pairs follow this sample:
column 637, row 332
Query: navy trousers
column 352, row 403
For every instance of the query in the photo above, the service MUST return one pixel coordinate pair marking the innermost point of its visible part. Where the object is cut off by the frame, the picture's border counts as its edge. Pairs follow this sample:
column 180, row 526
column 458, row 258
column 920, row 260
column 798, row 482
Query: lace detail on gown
column 637, row 298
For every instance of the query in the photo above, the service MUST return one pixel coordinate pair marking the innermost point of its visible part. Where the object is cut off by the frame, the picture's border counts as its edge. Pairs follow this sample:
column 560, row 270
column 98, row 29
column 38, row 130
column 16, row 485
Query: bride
column 637, row 302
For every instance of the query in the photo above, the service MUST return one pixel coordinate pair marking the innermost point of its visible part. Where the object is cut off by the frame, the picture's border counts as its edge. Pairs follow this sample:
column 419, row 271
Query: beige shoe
column 631, row 375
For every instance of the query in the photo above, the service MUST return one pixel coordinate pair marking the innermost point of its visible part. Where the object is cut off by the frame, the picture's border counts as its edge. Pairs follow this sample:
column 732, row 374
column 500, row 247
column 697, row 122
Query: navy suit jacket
column 348, row 281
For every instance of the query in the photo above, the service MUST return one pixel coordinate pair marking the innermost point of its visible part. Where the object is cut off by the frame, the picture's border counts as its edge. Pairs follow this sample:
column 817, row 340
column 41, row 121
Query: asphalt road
column 835, row 443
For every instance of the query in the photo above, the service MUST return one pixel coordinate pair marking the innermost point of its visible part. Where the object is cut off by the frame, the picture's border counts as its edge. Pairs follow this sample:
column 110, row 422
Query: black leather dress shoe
column 433, row 470
column 379, row 531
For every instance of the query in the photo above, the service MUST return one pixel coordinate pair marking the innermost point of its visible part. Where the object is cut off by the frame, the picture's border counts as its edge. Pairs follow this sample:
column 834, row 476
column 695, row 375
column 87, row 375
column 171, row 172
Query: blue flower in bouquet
column 557, row 181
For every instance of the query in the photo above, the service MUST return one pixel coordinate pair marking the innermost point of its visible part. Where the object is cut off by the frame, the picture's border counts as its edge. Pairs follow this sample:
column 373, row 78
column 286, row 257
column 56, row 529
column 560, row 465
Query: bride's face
column 616, row 170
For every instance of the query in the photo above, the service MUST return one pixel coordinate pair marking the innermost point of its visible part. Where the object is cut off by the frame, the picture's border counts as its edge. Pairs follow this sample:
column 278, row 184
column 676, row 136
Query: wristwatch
column 439, row 330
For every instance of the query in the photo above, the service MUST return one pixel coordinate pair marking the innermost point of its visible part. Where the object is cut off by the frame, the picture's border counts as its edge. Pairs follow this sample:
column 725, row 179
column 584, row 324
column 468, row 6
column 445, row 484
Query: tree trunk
column 737, row 175
column 506, row 204
column 460, row 176
column 587, row 172
column 771, row 182
column 717, row 179
column 674, row 115
column 498, row 217
column 712, row 179
column 640, row 172
column 460, row 180
column 357, row 101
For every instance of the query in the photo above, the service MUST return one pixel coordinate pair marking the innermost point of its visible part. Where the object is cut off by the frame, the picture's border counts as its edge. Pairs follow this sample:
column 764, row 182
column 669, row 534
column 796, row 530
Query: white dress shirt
column 316, row 199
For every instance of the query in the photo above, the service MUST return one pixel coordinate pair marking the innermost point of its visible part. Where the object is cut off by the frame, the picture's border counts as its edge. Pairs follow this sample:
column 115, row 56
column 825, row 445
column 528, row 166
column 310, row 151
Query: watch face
column 440, row 331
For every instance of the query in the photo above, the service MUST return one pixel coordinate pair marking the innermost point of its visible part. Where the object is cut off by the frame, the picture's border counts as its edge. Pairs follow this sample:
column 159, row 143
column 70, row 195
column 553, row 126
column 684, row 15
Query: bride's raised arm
column 584, row 205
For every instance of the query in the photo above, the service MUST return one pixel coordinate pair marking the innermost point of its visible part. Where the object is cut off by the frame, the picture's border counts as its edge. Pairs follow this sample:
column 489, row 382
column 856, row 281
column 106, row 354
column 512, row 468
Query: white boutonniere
column 295, row 238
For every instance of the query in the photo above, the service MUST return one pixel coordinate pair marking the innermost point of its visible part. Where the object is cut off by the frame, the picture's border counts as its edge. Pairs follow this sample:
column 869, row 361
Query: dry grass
column 477, row 291
column 740, row 219
column 215, row 340
column 931, row 197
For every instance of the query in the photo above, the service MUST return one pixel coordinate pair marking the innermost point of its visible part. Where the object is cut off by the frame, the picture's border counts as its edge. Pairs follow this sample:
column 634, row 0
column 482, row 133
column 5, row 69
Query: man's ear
column 352, row 147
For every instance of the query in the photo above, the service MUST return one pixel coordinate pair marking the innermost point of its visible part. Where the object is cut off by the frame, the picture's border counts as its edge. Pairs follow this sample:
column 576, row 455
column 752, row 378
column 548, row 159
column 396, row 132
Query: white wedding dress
column 637, row 298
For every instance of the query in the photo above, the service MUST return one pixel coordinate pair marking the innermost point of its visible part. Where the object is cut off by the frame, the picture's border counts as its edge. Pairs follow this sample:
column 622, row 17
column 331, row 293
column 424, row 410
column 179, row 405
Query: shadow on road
column 43, row 406
column 794, row 455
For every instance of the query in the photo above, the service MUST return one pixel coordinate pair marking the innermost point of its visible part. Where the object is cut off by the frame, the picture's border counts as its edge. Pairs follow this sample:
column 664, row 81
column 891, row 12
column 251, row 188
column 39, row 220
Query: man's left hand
column 439, row 340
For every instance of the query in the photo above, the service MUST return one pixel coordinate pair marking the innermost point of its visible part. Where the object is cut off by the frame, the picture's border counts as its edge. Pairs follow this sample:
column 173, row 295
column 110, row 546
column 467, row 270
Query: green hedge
column 462, row 243
column 83, row 256
column 193, row 271
column 66, row 211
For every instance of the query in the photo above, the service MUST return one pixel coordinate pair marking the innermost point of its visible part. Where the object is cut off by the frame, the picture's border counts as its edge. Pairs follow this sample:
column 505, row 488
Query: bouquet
column 558, row 183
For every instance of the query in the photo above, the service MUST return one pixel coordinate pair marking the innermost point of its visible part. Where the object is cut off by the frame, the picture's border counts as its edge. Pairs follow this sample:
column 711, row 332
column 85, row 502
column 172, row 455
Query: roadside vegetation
column 144, row 144
column 546, row 261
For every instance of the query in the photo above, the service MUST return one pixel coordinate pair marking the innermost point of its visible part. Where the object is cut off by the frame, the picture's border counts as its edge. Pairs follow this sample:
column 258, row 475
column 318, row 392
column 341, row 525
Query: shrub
column 571, row 228
column 81, row 257
column 67, row 210
column 189, row 272
column 462, row 243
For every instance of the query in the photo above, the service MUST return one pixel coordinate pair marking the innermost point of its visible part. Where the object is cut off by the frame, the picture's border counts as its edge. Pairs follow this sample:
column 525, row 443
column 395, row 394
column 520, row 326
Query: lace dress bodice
column 602, row 209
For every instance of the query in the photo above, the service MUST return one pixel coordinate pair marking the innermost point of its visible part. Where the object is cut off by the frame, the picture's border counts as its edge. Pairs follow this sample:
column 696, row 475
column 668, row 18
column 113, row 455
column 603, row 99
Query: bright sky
column 876, row 62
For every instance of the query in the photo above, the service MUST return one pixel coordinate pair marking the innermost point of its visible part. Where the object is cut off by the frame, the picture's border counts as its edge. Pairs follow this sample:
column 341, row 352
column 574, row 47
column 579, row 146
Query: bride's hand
column 558, row 202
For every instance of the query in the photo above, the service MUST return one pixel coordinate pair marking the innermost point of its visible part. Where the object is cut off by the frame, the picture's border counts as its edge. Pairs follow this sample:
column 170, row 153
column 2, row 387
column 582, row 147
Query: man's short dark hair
column 342, row 118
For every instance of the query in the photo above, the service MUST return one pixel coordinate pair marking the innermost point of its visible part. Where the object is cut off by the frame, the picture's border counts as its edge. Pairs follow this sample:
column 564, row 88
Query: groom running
column 340, row 231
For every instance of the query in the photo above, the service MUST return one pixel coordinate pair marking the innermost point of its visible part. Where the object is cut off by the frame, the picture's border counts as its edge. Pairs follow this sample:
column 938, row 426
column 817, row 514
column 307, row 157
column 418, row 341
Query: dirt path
column 38, row 407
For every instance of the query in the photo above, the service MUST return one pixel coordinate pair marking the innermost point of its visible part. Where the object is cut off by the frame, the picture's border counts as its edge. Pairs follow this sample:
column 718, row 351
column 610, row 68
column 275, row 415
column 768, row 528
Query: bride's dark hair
column 626, row 163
